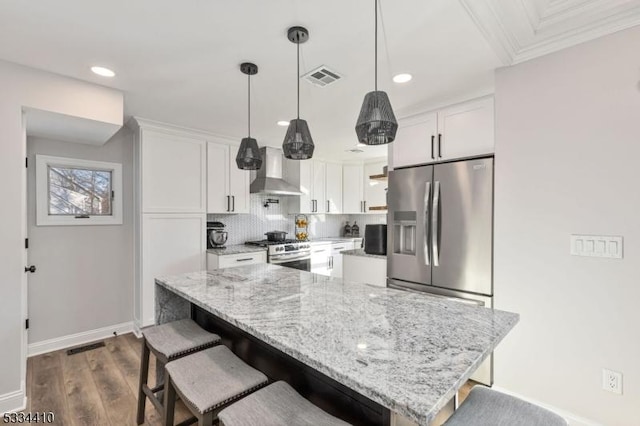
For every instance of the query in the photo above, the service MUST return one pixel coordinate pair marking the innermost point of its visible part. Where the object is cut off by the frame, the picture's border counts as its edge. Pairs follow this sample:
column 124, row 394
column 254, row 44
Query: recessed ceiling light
column 102, row 71
column 402, row 78
column 283, row 123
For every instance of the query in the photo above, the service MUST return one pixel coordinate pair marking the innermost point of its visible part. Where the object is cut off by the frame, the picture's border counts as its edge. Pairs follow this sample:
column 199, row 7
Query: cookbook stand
column 302, row 227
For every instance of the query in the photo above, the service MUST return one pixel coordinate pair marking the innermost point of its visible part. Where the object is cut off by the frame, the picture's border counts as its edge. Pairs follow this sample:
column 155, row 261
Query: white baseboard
column 77, row 339
column 569, row 417
column 13, row 401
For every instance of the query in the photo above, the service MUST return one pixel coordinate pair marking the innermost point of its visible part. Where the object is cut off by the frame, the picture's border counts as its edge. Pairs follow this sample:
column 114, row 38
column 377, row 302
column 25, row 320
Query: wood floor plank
column 131, row 345
column 83, row 397
column 47, row 391
column 117, row 398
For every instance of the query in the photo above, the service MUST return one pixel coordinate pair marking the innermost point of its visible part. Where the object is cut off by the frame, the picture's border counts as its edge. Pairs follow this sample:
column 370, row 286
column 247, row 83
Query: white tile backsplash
column 252, row 226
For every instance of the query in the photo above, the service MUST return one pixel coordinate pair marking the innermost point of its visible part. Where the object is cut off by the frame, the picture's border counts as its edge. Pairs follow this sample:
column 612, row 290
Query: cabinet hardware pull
column 440, row 145
column 228, row 203
column 432, row 143
column 233, row 199
column 328, row 207
column 244, row 260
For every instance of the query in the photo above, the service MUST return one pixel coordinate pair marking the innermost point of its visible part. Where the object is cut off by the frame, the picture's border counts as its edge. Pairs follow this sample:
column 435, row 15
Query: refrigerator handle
column 427, row 198
column 435, row 230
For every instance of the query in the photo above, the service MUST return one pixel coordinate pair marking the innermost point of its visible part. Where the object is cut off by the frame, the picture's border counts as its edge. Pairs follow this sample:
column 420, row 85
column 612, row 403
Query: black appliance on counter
column 375, row 239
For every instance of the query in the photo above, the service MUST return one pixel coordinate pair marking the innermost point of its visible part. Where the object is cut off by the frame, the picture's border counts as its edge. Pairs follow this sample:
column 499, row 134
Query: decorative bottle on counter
column 347, row 230
column 355, row 229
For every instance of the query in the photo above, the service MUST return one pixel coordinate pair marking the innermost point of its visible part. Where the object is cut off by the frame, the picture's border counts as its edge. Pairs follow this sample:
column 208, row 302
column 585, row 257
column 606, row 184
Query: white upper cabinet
column 415, row 141
column 172, row 172
column 334, row 188
column 458, row 131
column 319, row 190
column 227, row 186
column 320, row 193
column 467, row 129
column 218, row 178
column 353, row 188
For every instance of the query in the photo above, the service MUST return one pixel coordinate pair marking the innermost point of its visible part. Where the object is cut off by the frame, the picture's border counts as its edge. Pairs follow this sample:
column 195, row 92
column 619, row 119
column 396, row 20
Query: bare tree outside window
column 75, row 191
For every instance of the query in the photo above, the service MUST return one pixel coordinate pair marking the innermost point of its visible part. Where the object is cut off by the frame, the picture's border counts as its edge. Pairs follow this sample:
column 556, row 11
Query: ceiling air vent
column 322, row 76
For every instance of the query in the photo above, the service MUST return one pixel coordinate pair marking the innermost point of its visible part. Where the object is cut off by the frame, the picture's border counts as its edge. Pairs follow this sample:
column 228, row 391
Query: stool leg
column 144, row 374
column 169, row 400
column 205, row 419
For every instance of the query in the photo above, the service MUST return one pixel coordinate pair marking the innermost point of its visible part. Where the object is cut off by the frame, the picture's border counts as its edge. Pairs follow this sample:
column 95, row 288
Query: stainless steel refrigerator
column 440, row 233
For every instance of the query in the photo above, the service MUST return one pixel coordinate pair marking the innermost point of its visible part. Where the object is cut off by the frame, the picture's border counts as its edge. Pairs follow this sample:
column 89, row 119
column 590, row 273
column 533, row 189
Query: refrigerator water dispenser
column 404, row 228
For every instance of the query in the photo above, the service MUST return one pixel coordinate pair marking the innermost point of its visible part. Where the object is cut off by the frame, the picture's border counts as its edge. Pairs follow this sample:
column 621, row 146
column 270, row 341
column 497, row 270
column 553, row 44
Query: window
column 77, row 192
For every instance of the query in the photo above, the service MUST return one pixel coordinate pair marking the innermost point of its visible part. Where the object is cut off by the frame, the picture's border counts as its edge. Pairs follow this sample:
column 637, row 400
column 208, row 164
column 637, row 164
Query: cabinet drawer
column 234, row 260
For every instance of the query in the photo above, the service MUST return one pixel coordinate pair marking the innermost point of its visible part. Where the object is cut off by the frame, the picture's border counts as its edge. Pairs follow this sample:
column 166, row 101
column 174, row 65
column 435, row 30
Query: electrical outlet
column 612, row 381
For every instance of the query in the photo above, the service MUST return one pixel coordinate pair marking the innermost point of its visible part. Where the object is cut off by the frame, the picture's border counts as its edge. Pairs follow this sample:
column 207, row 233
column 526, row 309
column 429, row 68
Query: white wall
column 84, row 277
column 567, row 161
column 25, row 87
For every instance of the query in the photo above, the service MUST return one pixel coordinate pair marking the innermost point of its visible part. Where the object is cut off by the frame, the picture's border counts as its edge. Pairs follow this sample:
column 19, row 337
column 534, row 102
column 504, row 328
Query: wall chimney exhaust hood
column 269, row 178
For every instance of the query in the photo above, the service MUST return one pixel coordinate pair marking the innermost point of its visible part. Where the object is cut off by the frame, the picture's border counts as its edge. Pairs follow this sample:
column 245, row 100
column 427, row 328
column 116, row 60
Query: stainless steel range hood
column 269, row 178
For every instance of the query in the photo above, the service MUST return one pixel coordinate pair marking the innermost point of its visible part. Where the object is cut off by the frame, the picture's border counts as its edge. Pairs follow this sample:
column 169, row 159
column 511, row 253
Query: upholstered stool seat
column 276, row 405
column 486, row 407
column 168, row 342
column 208, row 381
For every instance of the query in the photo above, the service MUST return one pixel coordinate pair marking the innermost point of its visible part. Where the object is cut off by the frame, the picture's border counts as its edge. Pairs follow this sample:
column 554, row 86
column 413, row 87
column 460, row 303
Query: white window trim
column 43, row 218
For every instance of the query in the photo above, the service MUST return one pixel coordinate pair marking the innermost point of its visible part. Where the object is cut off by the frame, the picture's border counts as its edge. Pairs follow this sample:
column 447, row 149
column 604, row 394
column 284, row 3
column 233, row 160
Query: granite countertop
column 406, row 351
column 361, row 253
column 237, row 249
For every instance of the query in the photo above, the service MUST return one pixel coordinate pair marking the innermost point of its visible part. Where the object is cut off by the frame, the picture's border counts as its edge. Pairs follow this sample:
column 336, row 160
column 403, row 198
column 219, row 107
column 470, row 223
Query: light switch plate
column 597, row 246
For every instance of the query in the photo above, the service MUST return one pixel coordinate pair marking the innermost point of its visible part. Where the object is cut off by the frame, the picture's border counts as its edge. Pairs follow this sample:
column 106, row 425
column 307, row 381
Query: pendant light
column 249, row 157
column 298, row 144
column 376, row 124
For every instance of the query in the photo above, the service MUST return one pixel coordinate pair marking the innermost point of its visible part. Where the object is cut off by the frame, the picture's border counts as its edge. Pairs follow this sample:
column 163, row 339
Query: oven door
column 301, row 261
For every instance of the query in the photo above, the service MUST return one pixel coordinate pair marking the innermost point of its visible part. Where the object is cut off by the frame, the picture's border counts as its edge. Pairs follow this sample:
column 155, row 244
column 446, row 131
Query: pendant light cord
column 298, row 77
column 249, row 104
column 375, row 3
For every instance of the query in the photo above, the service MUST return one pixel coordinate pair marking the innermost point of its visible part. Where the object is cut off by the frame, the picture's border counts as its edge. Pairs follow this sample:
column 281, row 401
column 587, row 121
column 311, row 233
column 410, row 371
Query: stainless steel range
column 289, row 253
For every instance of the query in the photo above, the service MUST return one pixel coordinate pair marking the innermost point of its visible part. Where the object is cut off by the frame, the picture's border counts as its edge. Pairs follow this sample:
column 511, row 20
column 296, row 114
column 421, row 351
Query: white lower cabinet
column 364, row 269
column 320, row 254
column 215, row 261
column 171, row 244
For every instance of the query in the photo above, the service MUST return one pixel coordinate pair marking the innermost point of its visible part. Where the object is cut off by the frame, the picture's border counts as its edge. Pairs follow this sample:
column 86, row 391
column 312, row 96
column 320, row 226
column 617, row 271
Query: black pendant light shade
column 249, row 157
column 298, row 144
column 376, row 124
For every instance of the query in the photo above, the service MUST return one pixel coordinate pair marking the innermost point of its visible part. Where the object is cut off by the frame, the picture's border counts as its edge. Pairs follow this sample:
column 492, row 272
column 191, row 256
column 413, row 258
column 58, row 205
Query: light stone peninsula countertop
column 406, row 351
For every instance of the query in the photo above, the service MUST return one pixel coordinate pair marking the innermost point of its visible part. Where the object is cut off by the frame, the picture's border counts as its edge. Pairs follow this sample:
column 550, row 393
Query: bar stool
column 168, row 342
column 487, row 407
column 275, row 405
column 208, row 381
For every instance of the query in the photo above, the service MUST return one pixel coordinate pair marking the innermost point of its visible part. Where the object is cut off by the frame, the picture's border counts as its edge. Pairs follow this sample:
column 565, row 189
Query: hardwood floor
column 98, row 387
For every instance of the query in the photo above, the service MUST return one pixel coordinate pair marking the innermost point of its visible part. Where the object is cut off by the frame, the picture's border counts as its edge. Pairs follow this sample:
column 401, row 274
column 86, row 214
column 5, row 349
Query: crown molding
column 522, row 30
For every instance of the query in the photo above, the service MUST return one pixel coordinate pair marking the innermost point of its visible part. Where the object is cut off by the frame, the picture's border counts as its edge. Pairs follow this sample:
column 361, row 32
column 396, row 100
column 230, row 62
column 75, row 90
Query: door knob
column 31, row 268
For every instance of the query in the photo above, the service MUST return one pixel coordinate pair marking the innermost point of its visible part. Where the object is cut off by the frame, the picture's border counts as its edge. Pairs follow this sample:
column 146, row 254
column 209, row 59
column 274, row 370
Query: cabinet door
column 334, row 188
column 173, row 173
column 353, row 189
column 319, row 191
column 218, row 200
column 305, row 204
column 375, row 191
column 171, row 244
column 320, row 259
column 467, row 129
column 239, row 182
column 413, row 143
